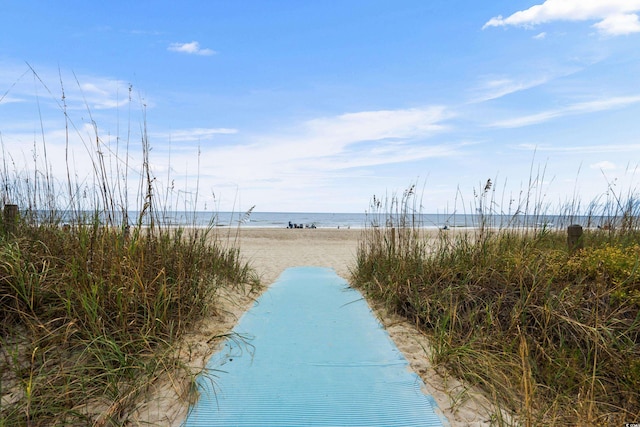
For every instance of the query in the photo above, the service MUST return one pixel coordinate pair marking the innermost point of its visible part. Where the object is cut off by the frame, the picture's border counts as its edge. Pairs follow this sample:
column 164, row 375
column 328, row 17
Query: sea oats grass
column 552, row 335
column 90, row 317
column 96, row 297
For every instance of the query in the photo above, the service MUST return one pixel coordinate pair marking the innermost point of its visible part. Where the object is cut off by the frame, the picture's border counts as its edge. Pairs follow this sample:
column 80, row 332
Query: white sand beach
column 270, row 251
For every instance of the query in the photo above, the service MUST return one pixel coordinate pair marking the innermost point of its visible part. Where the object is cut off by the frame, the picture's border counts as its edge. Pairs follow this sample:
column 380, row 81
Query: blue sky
column 294, row 105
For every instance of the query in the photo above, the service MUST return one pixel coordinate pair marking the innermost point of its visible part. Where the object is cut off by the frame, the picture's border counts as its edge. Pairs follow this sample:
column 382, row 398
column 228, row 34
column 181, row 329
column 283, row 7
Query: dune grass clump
column 552, row 335
column 90, row 317
column 96, row 296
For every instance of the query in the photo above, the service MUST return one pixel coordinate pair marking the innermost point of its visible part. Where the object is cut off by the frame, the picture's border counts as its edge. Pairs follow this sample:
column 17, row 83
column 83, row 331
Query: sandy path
column 270, row 251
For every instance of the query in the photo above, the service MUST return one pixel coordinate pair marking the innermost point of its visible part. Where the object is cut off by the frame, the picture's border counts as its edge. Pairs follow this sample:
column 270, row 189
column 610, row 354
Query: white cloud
column 194, row 134
column 579, row 108
column 192, row 48
column 377, row 125
column 583, row 149
column 80, row 91
column 323, row 149
column 616, row 25
column 495, row 88
column 540, row 36
column 93, row 88
column 27, row 151
column 604, row 166
column 8, row 99
column 384, row 133
column 100, row 93
column 615, row 17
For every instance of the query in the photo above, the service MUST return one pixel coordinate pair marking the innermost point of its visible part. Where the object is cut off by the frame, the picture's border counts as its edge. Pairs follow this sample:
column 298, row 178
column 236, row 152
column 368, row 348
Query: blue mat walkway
column 315, row 356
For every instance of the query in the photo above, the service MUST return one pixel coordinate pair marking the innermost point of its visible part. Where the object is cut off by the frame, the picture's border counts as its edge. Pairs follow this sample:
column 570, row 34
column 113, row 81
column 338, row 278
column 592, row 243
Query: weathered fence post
column 10, row 218
column 393, row 239
column 574, row 238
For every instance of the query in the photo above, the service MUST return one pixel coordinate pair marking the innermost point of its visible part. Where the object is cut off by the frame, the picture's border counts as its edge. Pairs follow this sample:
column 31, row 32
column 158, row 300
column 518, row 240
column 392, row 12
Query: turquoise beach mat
column 314, row 355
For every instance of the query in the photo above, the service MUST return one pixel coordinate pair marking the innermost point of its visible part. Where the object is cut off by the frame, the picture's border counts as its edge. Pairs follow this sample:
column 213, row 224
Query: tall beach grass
column 95, row 302
column 551, row 334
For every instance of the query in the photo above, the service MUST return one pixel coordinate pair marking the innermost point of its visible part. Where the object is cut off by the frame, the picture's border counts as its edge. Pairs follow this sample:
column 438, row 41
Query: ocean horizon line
column 283, row 219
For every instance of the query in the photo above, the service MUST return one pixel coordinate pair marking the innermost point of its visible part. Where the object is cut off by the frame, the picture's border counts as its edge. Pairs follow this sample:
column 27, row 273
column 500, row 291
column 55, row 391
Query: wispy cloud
column 590, row 149
column 144, row 32
column 615, row 17
column 194, row 134
column 81, row 91
column 25, row 150
column 497, row 87
column 579, row 108
column 7, row 99
column 192, row 48
column 384, row 132
column 99, row 93
column 327, row 147
column 377, row 125
column 604, row 165
column 93, row 88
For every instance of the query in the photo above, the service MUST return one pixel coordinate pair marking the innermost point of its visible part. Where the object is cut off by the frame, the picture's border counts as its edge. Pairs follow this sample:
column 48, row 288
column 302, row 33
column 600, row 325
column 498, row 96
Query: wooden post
column 10, row 218
column 574, row 238
column 393, row 238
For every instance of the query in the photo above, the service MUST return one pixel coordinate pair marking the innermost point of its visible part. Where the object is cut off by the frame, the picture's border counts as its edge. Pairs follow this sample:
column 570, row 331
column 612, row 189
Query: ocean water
column 306, row 220
column 337, row 220
column 268, row 219
column 363, row 220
